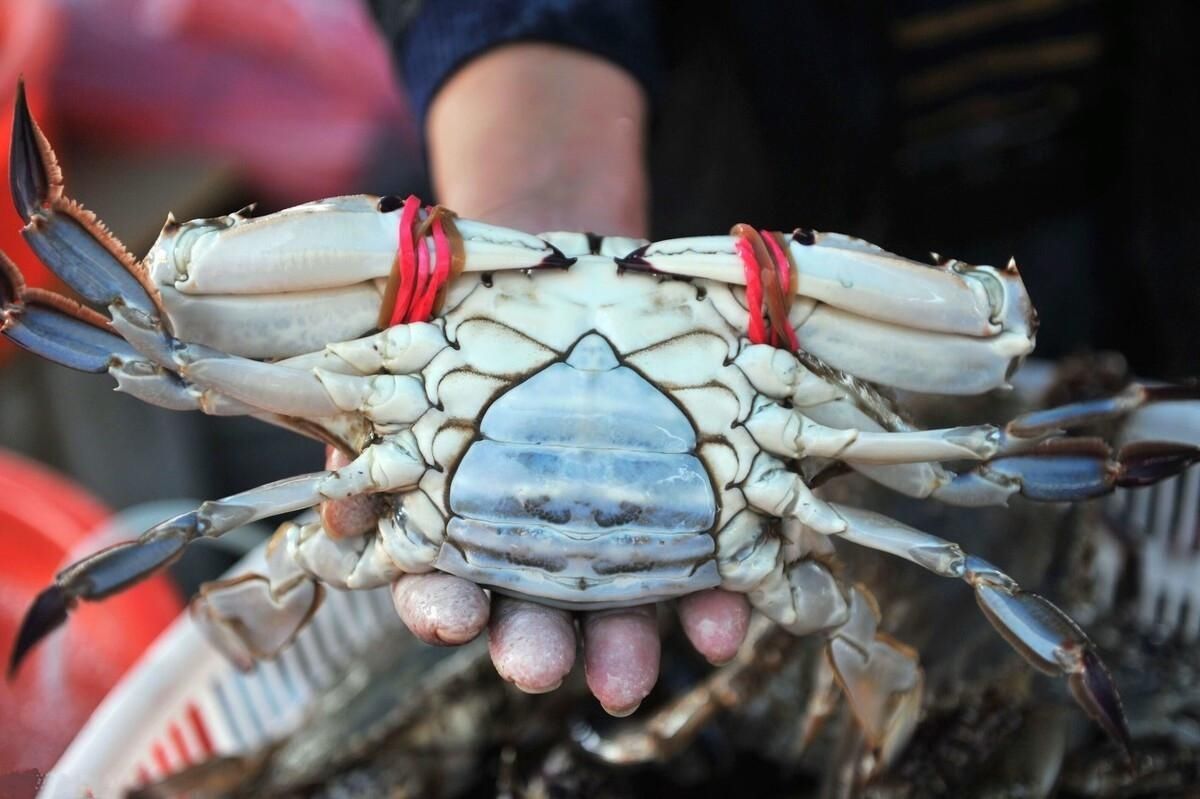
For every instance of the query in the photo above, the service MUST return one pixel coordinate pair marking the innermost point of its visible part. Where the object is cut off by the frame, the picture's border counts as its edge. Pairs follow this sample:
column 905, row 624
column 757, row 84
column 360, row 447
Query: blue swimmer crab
column 583, row 421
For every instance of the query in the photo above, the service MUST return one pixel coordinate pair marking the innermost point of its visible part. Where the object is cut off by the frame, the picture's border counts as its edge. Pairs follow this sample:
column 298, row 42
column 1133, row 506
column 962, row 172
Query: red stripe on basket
column 143, row 775
column 181, row 746
column 160, row 758
column 200, row 728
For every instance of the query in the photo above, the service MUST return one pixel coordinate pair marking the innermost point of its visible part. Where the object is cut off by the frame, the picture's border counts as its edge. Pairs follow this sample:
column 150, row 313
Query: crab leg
column 880, row 677
column 320, row 245
column 273, row 326
column 267, row 387
column 909, row 357
column 848, row 273
column 387, row 466
column 1037, row 629
column 56, row 328
column 1052, row 470
column 252, row 617
column 790, row 434
column 1044, row 635
column 90, row 260
column 66, row 333
column 1076, row 414
column 1014, row 458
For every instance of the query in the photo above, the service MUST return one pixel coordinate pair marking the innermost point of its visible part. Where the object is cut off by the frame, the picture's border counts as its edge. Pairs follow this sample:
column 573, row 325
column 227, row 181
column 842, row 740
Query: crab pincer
column 69, row 239
column 1051, row 642
column 1073, row 469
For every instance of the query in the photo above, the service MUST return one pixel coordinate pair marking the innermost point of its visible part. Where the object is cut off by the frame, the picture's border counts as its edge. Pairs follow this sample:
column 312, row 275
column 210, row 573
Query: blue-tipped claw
column 1052, row 642
column 29, row 161
column 69, row 240
column 1073, row 469
column 56, row 328
column 1094, row 689
column 47, row 613
column 116, row 568
column 98, row 576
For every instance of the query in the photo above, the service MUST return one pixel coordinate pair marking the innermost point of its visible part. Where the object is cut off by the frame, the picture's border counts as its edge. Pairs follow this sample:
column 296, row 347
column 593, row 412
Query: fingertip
column 621, row 657
column 532, row 646
column 335, row 458
column 345, row 518
column 440, row 609
column 715, row 621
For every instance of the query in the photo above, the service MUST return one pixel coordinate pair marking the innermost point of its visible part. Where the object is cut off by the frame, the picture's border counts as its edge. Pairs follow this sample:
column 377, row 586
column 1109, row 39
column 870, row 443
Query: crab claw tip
column 1093, row 688
column 46, row 614
column 29, row 173
column 1147, row 462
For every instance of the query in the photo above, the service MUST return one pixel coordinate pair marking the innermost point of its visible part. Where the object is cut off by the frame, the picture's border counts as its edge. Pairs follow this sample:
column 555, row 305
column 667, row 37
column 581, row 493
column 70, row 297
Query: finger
column 440, row 609
column 532, row 646
column 343, row 518
column 715, row 621
column 621, row 651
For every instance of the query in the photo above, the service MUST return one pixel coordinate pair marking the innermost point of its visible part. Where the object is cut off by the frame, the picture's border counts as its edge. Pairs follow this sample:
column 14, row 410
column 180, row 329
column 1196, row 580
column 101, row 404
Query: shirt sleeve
column 443, row 35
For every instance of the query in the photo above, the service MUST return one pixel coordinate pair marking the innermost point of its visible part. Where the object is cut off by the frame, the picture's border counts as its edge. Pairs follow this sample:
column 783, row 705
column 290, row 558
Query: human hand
column 543, row 138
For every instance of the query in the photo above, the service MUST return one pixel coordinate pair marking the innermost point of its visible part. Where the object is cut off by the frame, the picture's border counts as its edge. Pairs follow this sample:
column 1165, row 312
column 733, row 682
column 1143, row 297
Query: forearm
column 542, row 138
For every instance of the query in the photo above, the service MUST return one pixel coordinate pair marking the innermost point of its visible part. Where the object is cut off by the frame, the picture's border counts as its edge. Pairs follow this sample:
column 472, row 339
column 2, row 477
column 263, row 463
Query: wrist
column 542, row 138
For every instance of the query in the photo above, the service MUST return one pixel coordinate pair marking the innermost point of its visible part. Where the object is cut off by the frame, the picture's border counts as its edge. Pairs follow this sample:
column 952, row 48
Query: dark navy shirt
column 447, row 33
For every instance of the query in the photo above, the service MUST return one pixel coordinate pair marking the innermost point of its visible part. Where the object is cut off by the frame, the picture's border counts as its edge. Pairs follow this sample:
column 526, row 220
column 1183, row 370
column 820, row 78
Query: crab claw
column 54, row 327
column 32, row 167
column 102, row 574
column 67, row 238
column 47, row 613
column 1071, row 469
column 1051, row 642
column 60, row 330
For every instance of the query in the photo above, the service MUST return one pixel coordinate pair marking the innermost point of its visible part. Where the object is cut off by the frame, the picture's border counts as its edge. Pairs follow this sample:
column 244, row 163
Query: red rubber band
column 407, row 260
column 423, row 306
column 756, row 326
column 785, row 281
column 423, row 275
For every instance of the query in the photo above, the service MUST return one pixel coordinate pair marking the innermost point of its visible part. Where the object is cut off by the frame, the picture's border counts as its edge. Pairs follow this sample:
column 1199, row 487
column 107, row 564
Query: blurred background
column 1061, row 132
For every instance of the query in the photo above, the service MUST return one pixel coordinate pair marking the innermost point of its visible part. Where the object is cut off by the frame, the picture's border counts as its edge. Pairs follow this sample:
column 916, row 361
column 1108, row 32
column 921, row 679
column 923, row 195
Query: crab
column 587, row 422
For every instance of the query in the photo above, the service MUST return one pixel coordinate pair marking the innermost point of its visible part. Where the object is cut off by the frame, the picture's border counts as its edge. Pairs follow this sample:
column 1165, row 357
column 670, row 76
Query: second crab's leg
column 388, row 466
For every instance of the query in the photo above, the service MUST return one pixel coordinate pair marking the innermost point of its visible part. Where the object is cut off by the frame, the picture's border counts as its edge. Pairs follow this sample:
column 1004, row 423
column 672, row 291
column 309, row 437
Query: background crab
column 586, row 422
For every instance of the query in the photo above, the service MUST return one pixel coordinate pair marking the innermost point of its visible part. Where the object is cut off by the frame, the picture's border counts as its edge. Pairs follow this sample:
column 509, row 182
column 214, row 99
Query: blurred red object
column 29, row 45
column 292, row 93
column 45, row 522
